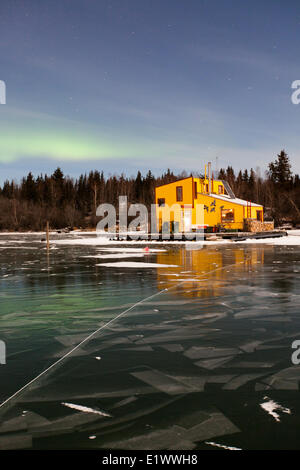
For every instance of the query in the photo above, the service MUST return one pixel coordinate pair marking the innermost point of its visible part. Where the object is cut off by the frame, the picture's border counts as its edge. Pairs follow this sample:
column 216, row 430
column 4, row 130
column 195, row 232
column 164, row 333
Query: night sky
column 122, row 85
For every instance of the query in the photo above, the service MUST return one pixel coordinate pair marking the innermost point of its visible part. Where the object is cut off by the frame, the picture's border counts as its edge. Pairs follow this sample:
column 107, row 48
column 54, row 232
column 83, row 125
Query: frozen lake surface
column 176, row 347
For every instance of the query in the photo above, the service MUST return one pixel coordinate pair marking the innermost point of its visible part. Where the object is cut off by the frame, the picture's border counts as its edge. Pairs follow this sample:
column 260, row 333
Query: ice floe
column 240, row 380
column 204, row 425
column 16, row 441
column 286, row 379
column 203, row 352
column 161, row 381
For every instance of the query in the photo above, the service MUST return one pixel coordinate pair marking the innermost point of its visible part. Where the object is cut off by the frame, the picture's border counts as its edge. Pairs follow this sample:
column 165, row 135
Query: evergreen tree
column 138, row 184
column 280, row 169
column 28, row 190
column 222, row 174
column 245, row 176
column 58, row 175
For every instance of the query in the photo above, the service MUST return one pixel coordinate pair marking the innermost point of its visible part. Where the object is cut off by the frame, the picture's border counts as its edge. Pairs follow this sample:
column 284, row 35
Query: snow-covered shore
column 293, row 238
column 93, row 238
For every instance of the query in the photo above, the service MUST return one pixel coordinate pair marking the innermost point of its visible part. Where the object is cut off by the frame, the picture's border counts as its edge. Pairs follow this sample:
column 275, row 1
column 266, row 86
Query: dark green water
column 187, row 369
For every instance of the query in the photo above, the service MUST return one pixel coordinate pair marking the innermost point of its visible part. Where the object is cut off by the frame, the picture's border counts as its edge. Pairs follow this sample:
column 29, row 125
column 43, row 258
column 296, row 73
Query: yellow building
column 221, row 208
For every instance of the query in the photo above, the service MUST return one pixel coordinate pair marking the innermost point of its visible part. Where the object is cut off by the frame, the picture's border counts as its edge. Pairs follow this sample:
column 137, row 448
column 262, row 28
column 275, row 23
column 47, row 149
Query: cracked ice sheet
column 15, row 441
column 124, row 402
column 162, row 382
column 251, row 346
column 44, row 395
column 133, row 415
column 27, row 420
column 67, row 423
column 211, row 424
column 200, row 352
column 240, row 380
column 164, row 439
column 141, row 349
column 214, row 363
column 172, row 384
column 77, row 353
column 284, row 318
column 13, row 424
column 72, row 339
column 206, row 318
column 250, row 365
column 286, row 379
column 256, row 312
column 176, row 335
column 216, row 425
column 172, row 347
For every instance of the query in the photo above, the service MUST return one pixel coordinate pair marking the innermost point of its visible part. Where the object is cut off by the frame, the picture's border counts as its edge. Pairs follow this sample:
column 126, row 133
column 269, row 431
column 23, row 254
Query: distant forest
column 72, row 203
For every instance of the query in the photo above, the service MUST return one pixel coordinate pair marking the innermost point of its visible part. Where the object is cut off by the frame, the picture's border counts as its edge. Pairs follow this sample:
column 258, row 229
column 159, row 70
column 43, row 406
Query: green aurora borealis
column 59, row 145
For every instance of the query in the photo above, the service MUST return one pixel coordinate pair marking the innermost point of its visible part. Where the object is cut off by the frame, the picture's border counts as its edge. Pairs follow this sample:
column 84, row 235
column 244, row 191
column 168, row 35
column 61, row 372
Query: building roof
column 235, row 200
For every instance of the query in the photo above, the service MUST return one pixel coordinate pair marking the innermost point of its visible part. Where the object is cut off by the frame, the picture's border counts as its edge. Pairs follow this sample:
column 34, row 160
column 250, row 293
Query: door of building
column 186, row 220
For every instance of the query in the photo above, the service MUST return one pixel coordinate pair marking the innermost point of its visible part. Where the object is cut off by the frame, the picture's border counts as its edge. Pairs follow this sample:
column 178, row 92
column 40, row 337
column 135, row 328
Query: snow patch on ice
column 133, row 264
column 99, row 241
column 291, row 239
column 288, row 240
column 133, row 250
column 85, row 409
column 223, row 446
column 271, row 406
column 116, row 255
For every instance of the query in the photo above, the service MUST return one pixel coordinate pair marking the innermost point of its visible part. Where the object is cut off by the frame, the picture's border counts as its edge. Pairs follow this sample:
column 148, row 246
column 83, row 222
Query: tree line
column 278, row 189
column 72, row 202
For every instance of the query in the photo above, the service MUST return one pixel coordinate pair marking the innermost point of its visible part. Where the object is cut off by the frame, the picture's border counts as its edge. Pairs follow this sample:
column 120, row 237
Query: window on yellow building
column 220, row 189
column 161, row 201
column 195, row 189
column 259, row 215
column 179, row 196
column 227, row 215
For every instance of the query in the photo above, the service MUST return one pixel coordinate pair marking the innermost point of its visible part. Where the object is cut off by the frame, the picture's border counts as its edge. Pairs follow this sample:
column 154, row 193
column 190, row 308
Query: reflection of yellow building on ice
column 205, row 270
column 218, row 203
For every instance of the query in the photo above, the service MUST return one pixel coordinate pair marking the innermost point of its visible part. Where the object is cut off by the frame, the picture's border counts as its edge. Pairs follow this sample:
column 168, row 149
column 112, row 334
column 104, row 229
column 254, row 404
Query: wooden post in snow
column 47, row 235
